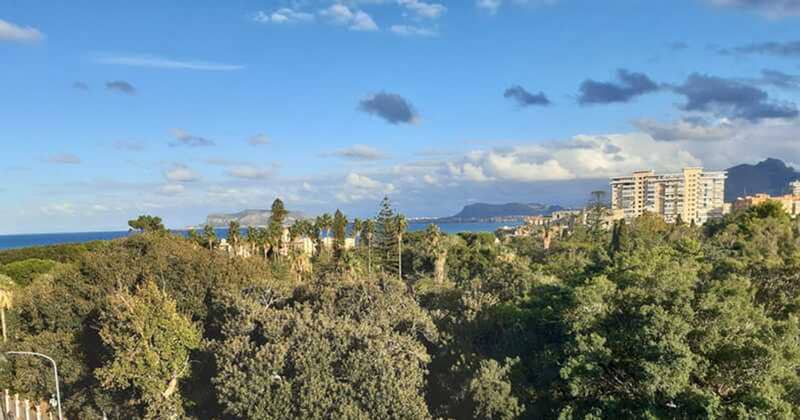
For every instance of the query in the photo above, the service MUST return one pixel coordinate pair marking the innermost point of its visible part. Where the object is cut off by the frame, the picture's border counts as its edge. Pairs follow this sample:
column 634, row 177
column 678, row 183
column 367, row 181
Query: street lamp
column 55, row 373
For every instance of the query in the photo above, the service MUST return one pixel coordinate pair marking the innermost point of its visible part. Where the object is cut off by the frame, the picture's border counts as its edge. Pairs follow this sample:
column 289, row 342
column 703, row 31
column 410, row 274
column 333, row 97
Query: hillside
column 483, row 211
column 247, row 218
column 771, row 176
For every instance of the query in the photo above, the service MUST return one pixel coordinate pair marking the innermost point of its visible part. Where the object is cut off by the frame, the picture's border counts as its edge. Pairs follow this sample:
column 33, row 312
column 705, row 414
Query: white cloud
column 493, row 5
column 356, row 20
column 250, row 172
column 260, row 139
column 422, row 9
column 360, row 152
column 14, row 33
column 361, row 187
column 410, row 30
column 172, row 189
column 58, row 209
column 64, row 159
column 180, row 173
column 165, row 63
column 283, row 15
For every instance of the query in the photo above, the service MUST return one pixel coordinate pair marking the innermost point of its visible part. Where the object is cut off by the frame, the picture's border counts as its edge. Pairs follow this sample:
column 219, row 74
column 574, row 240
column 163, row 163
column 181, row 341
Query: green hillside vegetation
column 648, row 320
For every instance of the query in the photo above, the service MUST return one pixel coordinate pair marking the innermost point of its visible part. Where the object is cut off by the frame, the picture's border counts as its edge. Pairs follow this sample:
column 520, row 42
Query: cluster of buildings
column 692, row 196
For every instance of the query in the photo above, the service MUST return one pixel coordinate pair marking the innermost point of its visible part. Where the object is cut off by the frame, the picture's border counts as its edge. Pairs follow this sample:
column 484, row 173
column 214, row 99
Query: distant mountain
column 247, row 218
column 485, row 211
column 770, row 176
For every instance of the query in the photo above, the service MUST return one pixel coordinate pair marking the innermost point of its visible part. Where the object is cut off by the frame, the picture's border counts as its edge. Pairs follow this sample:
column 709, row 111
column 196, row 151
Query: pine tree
column 339, row 232
column 386, row 237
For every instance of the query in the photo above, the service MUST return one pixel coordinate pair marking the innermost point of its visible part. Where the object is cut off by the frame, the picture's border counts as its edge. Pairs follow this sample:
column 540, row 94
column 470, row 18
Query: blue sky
column 182, row 108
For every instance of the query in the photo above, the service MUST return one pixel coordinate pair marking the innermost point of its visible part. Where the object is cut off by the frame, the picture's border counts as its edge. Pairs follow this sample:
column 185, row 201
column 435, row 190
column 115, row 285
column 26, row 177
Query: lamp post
column 55, row 373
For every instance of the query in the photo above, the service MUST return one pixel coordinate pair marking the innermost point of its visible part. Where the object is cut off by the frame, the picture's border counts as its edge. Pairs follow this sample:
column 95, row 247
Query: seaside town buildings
column 692, row 195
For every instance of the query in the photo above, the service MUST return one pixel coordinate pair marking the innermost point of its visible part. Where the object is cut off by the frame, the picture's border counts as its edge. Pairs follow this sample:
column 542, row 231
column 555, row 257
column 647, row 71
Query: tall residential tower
column 693, row 195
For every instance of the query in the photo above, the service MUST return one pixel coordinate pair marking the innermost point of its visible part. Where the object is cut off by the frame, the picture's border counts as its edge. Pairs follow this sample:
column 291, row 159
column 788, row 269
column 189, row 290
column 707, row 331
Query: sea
column 40, row 239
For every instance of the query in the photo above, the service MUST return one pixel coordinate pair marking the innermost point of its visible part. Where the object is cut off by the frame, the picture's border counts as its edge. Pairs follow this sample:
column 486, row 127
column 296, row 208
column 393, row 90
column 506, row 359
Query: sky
column 179, row 109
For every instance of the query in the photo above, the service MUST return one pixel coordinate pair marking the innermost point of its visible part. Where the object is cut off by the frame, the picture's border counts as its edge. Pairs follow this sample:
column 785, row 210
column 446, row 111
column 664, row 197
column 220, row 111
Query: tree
column 234, row 235
column 147, row 223
column 436, row 246
column 490, row 392
column 386, row 236
column 339, row 233
column 357, row 226
column 401, row 225
column 210, row 236
column 351, row 350
column 277, row 218
column 150, row 343
column 368, row 231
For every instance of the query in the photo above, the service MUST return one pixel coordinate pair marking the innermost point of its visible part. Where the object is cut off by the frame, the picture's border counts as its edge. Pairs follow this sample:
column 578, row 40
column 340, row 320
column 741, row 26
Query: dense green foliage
column 644, row 320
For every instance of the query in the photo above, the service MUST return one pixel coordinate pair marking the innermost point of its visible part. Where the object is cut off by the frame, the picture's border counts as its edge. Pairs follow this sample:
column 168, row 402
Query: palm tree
column 327, row 224
column 400, row 224
column 210, row 235
column 436, row 246
column 368, row 230
column 234, row 234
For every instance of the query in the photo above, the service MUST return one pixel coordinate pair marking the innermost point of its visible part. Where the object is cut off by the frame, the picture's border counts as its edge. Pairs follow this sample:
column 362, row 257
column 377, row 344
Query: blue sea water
column 23, row 241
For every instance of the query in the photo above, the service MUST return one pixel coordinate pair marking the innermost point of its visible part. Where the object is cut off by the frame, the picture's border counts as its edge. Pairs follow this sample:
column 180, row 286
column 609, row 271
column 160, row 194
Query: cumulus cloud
column 164, row 63
column 731, row 98
column 422, row 9
column 524, row 98
column 770, row 8
column 410, row 30
column 121, row 86
column 391, row 107
column 355, row 20
column 359, row 187
column 360, row 152
column 628, row 86
column 183, row 138
column 14, row 33
column 180, row 173
column 64, row 159
column 250, row 172
column 80, row 86
column 283, row 15
column 259, row 139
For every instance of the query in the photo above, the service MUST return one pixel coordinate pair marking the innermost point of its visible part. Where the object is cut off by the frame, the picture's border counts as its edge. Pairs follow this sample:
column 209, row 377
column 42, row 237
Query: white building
column 693, row 195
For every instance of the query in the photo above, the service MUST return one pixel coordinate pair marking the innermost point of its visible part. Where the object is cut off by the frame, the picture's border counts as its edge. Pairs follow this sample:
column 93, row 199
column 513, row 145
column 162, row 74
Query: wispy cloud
column 15, row 33
column 127, row 145
column 259, row 139
column 525, row 98
column 359, row 152
column 355, row 20
column 180, row 173
column 411, row 30
column 80, row 86
column 250, row 172
column 165, row 63
column 183, row 138
column 283, row 15
column 64, row 159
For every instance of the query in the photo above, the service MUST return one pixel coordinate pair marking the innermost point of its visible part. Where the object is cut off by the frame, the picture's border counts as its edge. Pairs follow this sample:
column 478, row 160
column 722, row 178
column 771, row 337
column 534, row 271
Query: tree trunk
column 438, row 266
column 400, row 257
column 3, row 320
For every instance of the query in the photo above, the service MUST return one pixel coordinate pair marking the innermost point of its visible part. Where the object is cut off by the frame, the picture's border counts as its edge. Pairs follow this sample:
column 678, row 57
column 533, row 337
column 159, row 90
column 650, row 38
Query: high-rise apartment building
column 693, row 195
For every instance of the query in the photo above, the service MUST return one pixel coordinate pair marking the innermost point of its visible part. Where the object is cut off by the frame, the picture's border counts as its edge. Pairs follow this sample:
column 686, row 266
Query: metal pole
column 55, row 373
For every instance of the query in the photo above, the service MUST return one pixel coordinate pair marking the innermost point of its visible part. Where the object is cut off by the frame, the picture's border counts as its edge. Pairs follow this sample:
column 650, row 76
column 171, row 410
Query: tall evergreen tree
column 277, row 217
column 386, row 237
column 339, row 232
column 400, row 226
column 368, row 231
